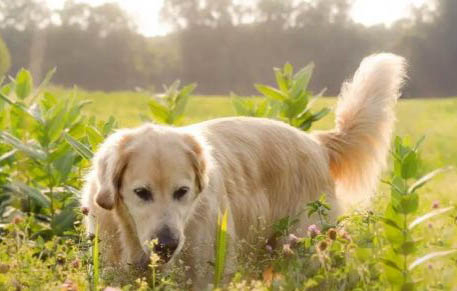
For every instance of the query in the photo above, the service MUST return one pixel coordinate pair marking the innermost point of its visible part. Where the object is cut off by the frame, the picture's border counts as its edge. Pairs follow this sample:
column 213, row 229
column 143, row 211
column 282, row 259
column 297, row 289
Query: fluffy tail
column 359, row 144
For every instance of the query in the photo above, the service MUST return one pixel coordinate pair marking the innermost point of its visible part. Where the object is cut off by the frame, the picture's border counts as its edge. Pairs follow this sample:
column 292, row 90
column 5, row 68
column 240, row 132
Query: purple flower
column 313, row 231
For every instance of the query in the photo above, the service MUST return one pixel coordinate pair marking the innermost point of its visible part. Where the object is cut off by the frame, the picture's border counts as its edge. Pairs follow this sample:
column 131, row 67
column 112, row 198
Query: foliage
column 169, row 108
column 399, row 229
column 290, row 102
column 42, row 173
column 46, row 143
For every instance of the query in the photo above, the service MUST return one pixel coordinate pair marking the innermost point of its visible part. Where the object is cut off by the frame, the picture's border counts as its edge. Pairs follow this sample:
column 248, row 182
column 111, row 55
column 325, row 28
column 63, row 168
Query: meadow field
column 35, row 254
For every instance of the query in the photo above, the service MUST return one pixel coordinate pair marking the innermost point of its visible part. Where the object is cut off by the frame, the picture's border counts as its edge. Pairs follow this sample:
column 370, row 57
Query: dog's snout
column 167, row 244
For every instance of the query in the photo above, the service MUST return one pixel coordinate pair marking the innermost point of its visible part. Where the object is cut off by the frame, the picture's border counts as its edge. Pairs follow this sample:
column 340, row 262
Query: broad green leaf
column 64, row 220
column 288, row 71
column 55, row 123
column 271, row 92
column 80, row 148
column 23, row 84
column 390, row 263
column 63, row 165
column 407, row 248
column 33, row 193
column 27, row 149
column 281, row 81
column 6, row 90
column 409, row 165
column 429, row 215
column 109, row 126
column 430, row 256
column 301, row 80
column 95, row 137
column 409, row 203
column 21, row 107
column 159, row 112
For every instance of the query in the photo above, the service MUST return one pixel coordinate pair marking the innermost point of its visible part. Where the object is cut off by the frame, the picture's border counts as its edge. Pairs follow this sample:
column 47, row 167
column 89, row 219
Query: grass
column 47, row 265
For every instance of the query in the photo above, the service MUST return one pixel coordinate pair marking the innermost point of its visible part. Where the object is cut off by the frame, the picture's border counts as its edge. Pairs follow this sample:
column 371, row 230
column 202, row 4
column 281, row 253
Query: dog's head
column 151, row 176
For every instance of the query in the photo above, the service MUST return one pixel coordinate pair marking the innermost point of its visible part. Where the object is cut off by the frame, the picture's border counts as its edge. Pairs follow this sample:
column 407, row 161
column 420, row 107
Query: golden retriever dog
column 170, row 184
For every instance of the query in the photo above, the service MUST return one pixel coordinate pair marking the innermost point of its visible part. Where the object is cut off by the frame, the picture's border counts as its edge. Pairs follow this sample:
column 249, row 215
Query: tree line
column 225, row 46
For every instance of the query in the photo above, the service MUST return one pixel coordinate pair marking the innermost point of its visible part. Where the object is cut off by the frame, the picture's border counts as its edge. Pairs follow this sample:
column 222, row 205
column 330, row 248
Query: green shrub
column 290, row 102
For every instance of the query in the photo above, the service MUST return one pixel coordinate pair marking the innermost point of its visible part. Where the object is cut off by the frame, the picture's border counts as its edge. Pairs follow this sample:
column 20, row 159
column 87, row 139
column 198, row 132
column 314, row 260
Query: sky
column 146, row 13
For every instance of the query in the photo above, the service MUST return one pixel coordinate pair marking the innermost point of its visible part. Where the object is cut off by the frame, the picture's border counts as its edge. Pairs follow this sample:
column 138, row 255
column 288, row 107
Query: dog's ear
column 109, row 163
column 198, row 156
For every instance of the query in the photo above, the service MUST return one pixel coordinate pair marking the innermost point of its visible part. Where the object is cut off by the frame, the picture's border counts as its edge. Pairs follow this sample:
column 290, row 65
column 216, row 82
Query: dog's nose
column 167, row 244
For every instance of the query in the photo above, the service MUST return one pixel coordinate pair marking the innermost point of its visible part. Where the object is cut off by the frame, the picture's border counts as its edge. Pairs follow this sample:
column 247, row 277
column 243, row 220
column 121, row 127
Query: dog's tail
column 359, row 144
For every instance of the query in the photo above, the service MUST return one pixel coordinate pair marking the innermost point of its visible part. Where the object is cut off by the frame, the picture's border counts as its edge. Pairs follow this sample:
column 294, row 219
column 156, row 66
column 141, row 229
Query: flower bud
column 85, row 210
column 322, row 245
column 332, row 233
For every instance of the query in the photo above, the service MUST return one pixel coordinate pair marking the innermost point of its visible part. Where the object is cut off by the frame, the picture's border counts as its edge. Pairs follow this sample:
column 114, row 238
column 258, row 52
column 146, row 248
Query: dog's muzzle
column 166, row 245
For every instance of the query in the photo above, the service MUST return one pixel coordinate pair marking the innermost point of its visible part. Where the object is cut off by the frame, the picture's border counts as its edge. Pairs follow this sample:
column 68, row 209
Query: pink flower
column 436, row 204
column 313, row 231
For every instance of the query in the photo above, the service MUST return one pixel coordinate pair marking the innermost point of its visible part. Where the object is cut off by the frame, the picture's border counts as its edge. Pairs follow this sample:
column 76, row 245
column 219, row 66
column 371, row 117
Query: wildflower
column 313, row 231
column 268, row 248
column 85, row 210
column 435, row 204
column 332, row 233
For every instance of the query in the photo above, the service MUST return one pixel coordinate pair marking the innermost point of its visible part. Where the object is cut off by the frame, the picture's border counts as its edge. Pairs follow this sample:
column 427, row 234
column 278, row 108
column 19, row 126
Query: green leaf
column 429, row 215
column 24, row 83
column 63, row 165
column 428, row 257
column 424, row 179
column 80, row 148
column 44, row 83
column 390, row 263
column 301, row 80
column 271, row 92
column 64, row 220
column 27, row 149
column 281, row 80
column 221, row 248
column 159, row 112
column 33, row 193
column 409, row 165
column 240, row 106
column 95, row 138
column 407, row 247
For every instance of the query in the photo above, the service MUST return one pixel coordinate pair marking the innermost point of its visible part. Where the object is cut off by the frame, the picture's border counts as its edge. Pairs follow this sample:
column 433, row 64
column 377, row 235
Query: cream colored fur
column 259, row 170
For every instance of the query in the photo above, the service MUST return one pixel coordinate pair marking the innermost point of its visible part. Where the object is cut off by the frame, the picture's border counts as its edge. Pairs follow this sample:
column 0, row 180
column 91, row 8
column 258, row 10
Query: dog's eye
column 178, row 194
column 143, row 193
